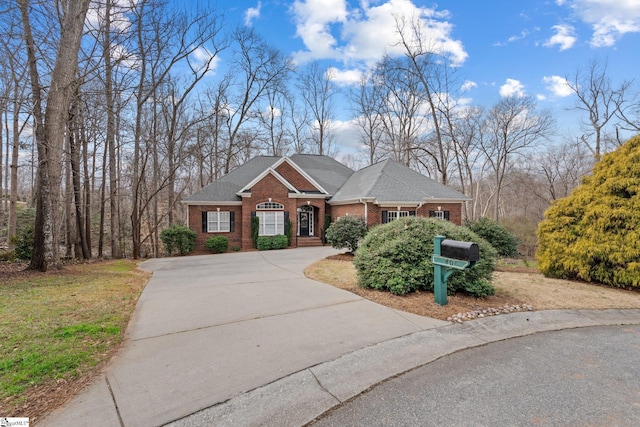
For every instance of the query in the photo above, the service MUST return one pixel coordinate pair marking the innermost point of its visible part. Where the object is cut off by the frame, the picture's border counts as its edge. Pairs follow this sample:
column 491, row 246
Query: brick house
column 305, row 188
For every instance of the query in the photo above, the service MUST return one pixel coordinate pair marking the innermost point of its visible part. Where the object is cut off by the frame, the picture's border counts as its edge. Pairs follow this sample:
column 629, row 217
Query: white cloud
column 345, row 77
column 564, row 37
column 468, row 85
column 252, row 13
column 609, row 19
column 557, row 86
column 541, row 97
column 330, row 30
column 512, row 87
column 201, row 57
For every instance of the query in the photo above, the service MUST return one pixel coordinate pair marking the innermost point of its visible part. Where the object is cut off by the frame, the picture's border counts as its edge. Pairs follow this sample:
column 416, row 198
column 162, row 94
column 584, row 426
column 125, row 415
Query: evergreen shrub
column 279, row 241
column 396, row 257
column 217, row 244
column 346, row 232
column 178, row 237
column 594, row 234
column 264, row 243
column 496, row 234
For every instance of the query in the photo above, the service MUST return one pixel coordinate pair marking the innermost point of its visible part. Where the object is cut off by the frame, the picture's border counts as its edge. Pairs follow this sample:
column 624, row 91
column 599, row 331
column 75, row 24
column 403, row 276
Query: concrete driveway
column 210, row 328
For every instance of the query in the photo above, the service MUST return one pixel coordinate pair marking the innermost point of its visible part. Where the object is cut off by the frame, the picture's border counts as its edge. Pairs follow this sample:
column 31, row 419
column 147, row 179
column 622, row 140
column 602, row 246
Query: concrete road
column 587, row 376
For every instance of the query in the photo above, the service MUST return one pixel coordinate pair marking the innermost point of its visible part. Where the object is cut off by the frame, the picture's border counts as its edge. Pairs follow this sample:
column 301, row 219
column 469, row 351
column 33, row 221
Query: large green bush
column 346, row 232
column 217, row 244
column 397, row 257
column 178, row 237
column 594, row 234
column 493, row 232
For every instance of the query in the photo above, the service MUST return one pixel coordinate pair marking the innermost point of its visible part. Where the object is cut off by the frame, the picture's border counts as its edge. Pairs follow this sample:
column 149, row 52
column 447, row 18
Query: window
column 218, row 222
column 439, row 214
column 271, row 223
column 270, row 206
column 388, row 216
column 393, row 215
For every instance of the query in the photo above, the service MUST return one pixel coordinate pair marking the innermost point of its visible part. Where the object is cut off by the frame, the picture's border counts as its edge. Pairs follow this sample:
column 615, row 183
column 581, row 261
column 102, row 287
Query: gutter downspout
column 418, row 207
column 366, row 218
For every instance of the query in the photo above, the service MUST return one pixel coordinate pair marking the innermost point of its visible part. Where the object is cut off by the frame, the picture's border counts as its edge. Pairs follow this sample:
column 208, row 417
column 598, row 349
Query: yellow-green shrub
column 594, row 234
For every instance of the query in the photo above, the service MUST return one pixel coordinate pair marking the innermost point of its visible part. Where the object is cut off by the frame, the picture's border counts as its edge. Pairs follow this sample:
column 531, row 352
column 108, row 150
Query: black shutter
column 432, row 214
column 286, row 219
column 204, row 222
column 232, row 221
column 385, row 217
column 446, row 215
column 412, row 213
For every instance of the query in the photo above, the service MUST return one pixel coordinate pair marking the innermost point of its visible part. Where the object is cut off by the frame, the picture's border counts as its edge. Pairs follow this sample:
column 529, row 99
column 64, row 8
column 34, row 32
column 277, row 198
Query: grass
column 58, row 327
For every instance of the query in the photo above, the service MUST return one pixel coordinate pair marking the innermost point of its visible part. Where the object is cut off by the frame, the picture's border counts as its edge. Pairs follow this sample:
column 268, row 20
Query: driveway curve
column 210, row 328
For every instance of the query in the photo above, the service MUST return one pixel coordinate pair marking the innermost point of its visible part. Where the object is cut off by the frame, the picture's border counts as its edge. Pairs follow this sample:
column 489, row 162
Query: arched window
column 270, row 206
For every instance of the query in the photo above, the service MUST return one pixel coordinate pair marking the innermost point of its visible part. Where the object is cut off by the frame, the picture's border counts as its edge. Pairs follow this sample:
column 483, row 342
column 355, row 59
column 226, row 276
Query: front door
column 304, row 224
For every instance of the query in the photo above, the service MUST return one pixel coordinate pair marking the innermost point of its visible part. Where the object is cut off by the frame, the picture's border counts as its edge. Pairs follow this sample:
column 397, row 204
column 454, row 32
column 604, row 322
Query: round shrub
column 499, row 237
column 217, row 244
column 396, row 257
column 264, row 243
column 279, row 241
column 594, row 234
column 346, row 232
column 178, row 237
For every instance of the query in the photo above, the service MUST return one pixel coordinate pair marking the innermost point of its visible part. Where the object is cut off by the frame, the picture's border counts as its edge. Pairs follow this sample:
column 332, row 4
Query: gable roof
column 387, row 182
column 225, row 188
column 392, row 182
column 327, row 172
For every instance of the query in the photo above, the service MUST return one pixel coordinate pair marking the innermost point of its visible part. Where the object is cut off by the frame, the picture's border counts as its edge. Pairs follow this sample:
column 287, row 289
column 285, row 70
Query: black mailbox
column 466, row 251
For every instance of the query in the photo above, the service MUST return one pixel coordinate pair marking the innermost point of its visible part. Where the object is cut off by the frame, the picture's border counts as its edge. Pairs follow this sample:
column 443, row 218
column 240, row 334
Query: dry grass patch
column 512, row 288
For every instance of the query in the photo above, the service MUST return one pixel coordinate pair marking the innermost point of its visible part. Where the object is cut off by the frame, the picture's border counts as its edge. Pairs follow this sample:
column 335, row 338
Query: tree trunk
column 50, row 137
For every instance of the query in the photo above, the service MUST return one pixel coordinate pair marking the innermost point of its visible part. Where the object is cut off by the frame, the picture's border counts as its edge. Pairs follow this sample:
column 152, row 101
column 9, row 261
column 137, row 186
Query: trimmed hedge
column 279, row 241
column 396, row 257
column 217, row 244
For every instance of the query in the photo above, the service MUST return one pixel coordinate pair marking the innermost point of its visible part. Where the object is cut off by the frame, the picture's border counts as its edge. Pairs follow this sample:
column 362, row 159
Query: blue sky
column 502, row 47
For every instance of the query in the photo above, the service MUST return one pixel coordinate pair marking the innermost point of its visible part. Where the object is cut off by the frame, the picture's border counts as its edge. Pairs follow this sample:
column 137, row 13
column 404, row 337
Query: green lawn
column 57, row 327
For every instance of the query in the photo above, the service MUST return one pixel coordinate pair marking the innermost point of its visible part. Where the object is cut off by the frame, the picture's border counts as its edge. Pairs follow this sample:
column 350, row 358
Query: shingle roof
column 387, row 181
column 225, row 188
column 327, row 172
column 390, row 181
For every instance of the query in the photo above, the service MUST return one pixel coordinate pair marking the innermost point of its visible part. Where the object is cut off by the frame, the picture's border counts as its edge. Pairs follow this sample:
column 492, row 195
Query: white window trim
column 216, row 222
column 394, row 215
column 278, row 222
column 270, row 206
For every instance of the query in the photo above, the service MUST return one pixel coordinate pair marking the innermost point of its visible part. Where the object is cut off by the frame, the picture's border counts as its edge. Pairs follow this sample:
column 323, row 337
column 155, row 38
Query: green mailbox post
column 449, row 256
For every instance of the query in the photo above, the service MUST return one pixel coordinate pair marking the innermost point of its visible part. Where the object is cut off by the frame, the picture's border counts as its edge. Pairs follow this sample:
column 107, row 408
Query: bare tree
column 50, row 125
column 163, row 41
column 256, row 69
column 431, row 69
column 402, row 117
column 367, row 103
column 318, row 91
column 512, row 126
column 598, row 99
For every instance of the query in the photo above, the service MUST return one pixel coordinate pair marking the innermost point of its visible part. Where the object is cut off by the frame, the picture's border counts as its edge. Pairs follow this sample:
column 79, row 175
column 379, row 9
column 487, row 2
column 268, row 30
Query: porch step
column 304, row 242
